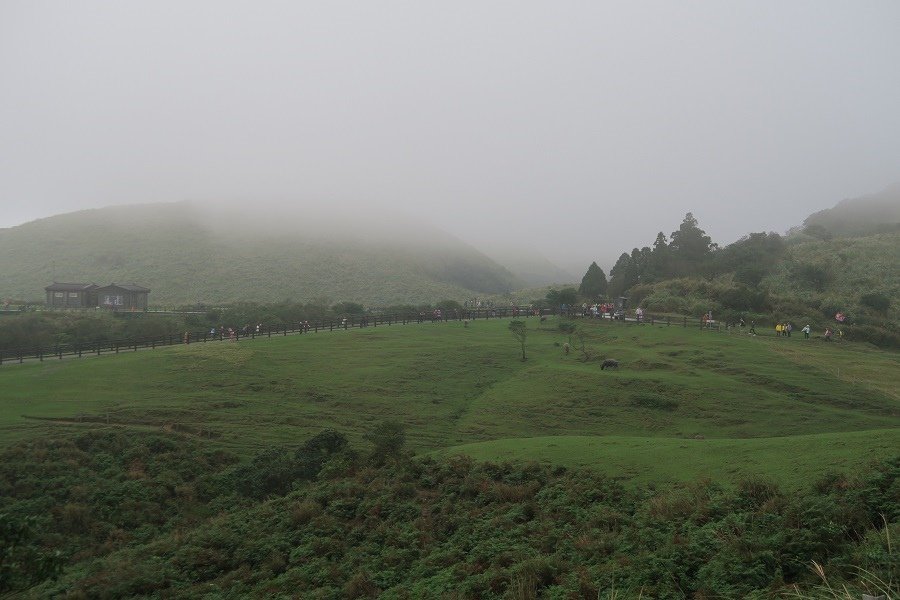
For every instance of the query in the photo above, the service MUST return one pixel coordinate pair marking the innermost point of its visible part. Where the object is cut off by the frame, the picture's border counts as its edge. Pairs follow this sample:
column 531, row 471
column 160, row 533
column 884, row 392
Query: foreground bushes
column 376, row 523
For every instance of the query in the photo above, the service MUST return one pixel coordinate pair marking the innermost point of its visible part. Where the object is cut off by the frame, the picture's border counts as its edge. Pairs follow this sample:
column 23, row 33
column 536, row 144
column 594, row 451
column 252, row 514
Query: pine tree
column 593, row 284
column 660, row 260
column 622, row 276
column 690, row 245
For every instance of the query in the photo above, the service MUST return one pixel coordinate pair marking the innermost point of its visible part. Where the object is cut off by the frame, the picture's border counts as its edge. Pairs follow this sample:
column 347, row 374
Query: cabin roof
column 70, row 287
column 128, row 287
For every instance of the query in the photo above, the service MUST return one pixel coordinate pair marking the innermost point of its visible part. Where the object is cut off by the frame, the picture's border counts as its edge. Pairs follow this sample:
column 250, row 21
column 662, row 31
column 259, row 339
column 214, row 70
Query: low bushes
column 386, row 524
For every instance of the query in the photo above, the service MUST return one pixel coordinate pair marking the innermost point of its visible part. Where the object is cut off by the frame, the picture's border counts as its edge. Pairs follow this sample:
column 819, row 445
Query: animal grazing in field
column 609, row 363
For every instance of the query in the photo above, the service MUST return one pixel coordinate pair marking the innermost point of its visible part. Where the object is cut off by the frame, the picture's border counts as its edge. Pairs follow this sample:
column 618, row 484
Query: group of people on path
column 597, row 310
column 785, row 329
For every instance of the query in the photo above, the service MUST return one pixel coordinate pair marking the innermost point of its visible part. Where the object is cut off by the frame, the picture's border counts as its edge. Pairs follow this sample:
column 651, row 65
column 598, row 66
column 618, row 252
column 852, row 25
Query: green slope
column 186, row 254
column 790, row 461
column 452, row 385
column 852, row 266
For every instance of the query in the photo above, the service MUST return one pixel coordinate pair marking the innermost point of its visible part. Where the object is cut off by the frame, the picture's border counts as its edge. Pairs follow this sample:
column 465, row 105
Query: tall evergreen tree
column 641, row 260
column 660, row 261
column 690, row 246
column 623, row 275
column 594, row 283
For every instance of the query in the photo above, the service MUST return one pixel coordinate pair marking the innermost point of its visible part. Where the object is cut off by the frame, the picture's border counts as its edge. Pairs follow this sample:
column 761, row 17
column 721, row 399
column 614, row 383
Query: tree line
column 686, row 252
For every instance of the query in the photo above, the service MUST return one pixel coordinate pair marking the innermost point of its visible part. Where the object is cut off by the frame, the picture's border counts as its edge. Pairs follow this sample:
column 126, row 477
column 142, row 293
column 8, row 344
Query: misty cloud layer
column 575, row 129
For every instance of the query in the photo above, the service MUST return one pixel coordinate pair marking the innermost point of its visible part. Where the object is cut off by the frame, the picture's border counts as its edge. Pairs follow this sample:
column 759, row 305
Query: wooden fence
column 57, row 352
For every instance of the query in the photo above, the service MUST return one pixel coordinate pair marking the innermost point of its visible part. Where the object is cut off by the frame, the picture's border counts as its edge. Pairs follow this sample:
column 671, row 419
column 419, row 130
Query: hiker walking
column 752, row 327
column 805, row 331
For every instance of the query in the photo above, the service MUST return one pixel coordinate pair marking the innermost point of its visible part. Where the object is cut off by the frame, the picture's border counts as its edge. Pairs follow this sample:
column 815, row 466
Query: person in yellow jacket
column 778, row 329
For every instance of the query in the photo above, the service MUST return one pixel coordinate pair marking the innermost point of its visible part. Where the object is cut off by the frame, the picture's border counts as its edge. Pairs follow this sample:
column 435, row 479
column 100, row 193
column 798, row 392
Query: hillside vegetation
column 805, row 278
column 708, row 465
column 186, row 254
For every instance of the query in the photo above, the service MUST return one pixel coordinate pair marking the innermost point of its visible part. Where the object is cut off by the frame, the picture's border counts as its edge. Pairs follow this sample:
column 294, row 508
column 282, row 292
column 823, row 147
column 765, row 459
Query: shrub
column 271, row 472
column 875, row 301
column 317, row 450
column 883, row 337
column 22, row 561
column 750, row 275
column 744, row 299
column 816, row 276
column 388, row 439
column 304, row 512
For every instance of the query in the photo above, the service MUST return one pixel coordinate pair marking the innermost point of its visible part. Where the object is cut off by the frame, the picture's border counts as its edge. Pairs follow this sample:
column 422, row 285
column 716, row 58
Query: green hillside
column 451, row 385
column 174, row 472
column 188, row 254
column 850, row 268
column 804, row 278
column 808, row 281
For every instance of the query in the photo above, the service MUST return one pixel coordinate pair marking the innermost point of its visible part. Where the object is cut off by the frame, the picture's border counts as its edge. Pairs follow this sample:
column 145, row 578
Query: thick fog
column 573, row 129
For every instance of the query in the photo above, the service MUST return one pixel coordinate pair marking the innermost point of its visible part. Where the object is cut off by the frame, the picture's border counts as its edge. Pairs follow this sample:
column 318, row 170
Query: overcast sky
column 579, row 129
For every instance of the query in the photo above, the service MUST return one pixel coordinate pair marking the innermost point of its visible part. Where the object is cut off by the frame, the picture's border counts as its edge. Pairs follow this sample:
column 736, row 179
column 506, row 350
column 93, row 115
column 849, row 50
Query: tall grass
column 881, row 583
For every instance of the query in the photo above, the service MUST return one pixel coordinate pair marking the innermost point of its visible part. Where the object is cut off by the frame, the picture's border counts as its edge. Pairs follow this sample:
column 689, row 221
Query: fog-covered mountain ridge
column 188, row 252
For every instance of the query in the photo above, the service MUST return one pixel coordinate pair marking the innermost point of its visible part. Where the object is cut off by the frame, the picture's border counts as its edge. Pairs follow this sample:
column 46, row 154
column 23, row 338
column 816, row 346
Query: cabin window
column 112, row 300
column 59, row 295
column 73, row 294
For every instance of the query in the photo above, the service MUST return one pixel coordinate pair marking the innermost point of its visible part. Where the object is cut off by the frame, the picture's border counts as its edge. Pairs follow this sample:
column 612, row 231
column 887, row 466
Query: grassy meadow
column 685, row 404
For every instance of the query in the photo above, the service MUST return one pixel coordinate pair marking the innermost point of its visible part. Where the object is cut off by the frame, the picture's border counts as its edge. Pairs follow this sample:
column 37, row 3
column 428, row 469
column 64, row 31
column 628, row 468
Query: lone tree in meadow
column 520, row 332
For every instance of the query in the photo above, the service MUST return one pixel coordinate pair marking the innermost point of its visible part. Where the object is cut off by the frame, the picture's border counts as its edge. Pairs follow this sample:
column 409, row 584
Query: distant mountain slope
column 187, row 254
column 531, row 267
column 877, row 213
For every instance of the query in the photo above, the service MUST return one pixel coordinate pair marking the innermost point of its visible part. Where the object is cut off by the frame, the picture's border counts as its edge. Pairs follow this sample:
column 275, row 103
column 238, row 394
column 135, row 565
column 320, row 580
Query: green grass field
column 685, row 404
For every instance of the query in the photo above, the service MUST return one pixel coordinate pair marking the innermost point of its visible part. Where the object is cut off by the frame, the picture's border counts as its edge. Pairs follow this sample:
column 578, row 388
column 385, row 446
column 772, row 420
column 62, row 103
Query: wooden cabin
column 71, row 295
column 90, row 295
column 122, row 297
